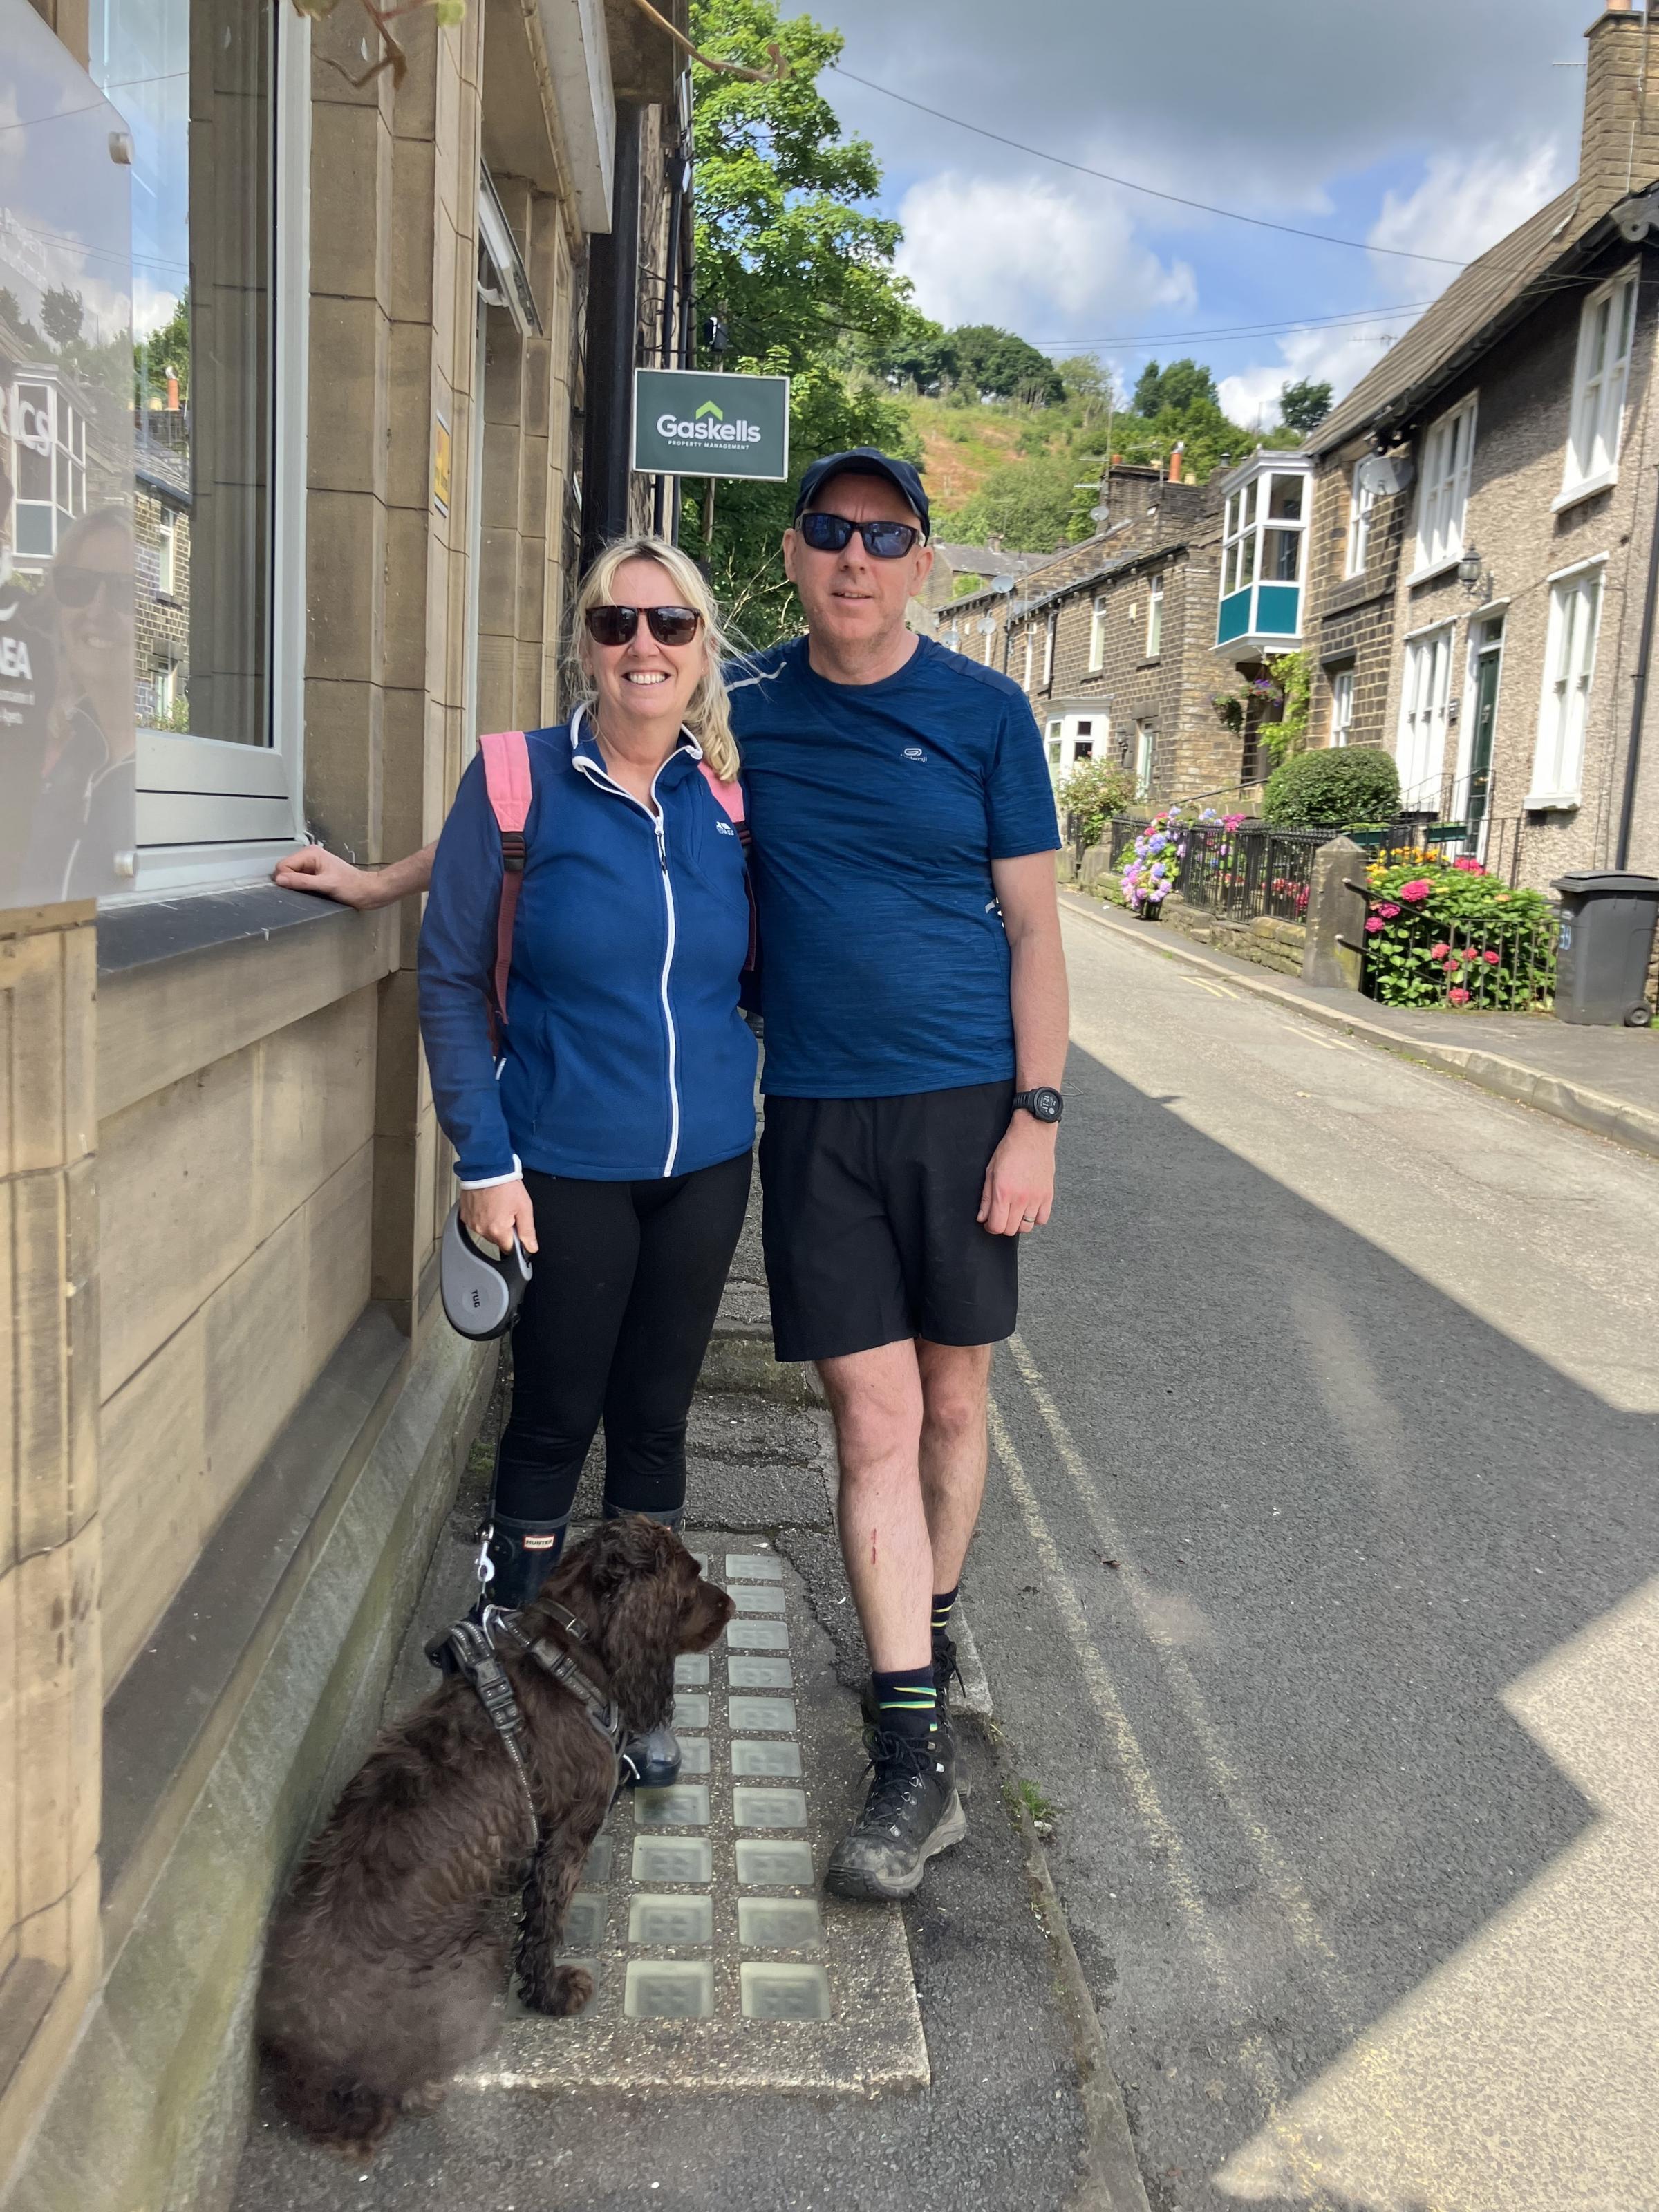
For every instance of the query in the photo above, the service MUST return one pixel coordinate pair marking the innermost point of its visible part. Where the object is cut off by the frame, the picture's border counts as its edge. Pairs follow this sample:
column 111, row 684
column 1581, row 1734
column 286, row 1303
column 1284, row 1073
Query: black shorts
column 871, row 1221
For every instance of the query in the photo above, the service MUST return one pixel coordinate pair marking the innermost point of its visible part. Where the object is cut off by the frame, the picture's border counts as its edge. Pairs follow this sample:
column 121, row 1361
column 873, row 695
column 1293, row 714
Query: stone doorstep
column 719, row 1962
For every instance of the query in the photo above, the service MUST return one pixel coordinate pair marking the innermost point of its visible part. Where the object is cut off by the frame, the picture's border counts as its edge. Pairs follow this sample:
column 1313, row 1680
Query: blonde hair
column 709, row 711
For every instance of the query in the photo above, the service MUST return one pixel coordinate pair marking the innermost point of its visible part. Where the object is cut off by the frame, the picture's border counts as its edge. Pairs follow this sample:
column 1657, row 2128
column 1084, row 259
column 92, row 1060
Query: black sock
column 905, row 1701
column 943, row 1601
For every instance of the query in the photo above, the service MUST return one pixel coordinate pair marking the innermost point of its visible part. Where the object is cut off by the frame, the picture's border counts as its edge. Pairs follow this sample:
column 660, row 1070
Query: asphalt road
column 1316, row 1588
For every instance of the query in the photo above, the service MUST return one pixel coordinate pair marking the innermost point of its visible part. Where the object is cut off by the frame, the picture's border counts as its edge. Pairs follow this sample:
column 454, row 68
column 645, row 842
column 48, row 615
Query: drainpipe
column 661, row 502
column 613, row 312
column 1638, row 702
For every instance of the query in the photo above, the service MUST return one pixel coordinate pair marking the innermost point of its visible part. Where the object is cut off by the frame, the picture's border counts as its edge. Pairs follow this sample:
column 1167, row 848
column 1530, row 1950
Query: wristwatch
column 1043, row 1104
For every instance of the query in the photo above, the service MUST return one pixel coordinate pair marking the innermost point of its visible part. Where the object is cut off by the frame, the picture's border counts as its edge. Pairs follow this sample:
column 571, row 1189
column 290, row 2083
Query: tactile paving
column 717, row 1962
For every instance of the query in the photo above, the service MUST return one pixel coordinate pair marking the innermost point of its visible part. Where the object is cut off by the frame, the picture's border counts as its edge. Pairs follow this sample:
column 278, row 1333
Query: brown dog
column 387, row 1962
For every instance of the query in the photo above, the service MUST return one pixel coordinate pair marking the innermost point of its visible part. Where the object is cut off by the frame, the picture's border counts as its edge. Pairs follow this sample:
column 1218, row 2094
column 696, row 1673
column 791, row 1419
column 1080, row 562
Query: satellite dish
column 1002, row 583
column 1382, row 475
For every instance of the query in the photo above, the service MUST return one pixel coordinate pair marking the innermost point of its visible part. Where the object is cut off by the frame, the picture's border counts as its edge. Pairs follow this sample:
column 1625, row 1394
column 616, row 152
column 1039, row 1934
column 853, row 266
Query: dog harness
column 469, row 1650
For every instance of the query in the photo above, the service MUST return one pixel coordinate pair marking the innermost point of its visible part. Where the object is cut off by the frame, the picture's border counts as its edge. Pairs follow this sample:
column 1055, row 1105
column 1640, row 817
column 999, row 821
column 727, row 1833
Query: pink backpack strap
column 507, row 779
column 728, row 795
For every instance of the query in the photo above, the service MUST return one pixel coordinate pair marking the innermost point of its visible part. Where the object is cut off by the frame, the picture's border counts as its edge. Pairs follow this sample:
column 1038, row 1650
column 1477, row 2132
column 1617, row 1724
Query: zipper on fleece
column 655, row 819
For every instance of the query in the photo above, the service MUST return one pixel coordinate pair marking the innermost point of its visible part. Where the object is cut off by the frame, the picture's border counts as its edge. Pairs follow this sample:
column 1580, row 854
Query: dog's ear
column 641, row 1600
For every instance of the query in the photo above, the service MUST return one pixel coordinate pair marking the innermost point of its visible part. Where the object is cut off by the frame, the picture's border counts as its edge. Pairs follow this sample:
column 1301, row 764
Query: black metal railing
column 1249, row 872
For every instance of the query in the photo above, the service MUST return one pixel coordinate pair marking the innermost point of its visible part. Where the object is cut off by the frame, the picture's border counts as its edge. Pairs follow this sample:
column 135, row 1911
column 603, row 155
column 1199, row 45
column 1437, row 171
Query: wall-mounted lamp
column 1469, row 571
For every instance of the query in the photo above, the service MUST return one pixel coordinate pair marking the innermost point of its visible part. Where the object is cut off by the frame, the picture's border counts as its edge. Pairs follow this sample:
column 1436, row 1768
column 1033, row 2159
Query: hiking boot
column 945, row 1670
column 651, row 1761
column 913, row 1810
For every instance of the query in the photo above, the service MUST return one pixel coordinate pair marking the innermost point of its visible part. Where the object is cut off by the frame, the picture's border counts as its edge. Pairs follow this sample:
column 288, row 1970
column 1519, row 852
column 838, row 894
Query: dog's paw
column 567, row 1990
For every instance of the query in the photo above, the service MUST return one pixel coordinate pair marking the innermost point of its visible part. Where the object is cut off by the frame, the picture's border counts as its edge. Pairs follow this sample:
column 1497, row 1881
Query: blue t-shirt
column 877, row 809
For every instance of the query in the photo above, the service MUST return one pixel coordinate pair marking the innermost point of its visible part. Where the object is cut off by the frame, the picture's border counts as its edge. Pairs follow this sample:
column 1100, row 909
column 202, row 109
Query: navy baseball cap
column 865, row 461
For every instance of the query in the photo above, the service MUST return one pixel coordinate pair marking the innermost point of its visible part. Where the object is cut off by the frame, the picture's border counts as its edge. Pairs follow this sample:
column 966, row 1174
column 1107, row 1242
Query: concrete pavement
column 1318, row 1591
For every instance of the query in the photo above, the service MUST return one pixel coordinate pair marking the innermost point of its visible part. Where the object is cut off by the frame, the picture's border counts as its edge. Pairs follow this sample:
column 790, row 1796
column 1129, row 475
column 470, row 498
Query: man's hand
column 312, row 869
column 1019, row 1183
column 495, row 1212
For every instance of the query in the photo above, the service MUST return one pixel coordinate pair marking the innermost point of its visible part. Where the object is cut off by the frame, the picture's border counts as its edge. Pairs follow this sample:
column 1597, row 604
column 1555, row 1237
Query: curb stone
column 1511, row 1080
column 1111, row 2180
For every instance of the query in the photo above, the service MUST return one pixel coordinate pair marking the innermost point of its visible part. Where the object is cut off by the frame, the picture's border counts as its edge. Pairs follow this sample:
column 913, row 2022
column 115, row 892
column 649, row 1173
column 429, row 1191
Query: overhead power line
column 1130, row 185
column 1236, row 330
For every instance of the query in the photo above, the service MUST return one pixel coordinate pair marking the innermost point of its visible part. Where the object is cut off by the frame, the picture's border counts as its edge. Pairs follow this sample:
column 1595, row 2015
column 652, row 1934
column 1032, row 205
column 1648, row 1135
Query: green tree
column 61, row 315
column 1303, row 406
column 1027, row 506
column 791, row 253
column 165, row 353
column 1005, row 366
column 920, row 355
column 1183, row 385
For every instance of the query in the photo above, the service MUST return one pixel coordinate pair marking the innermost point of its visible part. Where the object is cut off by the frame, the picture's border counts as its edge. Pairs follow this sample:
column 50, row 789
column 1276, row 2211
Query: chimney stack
column 1619, row 153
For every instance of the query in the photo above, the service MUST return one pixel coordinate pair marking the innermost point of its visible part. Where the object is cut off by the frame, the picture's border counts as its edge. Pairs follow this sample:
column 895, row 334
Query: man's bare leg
column 954, row 1383
column 876, row 1402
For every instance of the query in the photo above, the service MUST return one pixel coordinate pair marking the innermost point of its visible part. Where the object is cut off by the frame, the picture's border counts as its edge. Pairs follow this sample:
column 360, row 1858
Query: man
column 915, row 994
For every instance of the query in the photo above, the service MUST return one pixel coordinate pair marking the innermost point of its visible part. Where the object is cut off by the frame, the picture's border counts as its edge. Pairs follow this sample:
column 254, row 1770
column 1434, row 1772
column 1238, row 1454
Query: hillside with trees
column 796, row 267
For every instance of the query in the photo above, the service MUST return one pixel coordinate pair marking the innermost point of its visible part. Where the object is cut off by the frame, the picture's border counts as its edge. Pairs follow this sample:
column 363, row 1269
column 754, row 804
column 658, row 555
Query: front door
column 1489, row 655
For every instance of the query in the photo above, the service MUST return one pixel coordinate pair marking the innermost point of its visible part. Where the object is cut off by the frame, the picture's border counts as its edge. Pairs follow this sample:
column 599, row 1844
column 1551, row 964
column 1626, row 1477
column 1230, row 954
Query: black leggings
column 622, row 1297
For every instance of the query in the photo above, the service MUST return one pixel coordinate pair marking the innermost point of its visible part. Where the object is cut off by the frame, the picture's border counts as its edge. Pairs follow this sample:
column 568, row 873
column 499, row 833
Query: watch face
column 1046, row 1105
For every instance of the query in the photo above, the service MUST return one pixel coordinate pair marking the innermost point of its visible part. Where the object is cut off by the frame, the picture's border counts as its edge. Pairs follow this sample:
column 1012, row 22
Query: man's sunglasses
column 883, row 541
column 79, row 588
column 620, row 625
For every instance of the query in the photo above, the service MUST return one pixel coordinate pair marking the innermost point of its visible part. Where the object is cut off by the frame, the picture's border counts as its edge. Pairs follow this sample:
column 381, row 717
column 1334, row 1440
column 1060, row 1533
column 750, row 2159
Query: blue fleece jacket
column 625, row 1055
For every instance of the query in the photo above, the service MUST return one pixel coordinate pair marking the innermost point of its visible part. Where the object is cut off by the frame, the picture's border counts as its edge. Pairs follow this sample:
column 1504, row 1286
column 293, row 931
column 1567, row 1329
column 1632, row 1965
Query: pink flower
column 1458, row 997
column 1438, row 951
column 1490, row 959
column 1374, row 925
column 1389, row 911
column 1419, row 888
column 1469, row 865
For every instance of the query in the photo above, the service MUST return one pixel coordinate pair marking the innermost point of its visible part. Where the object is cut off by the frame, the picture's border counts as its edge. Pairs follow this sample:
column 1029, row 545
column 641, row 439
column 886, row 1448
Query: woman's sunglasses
column 620, row 625
column 78, row 587
column 883, row 541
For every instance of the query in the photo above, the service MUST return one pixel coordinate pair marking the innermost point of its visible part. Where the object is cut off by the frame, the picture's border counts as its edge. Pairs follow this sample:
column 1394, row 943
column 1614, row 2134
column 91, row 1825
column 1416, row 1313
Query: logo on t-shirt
column 915, row 753
column 725, row 830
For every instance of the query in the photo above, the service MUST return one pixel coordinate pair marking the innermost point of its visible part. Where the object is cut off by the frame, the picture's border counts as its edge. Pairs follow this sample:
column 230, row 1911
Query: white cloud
column 1464, row 203
column 1028, row 256
column 1467, row 203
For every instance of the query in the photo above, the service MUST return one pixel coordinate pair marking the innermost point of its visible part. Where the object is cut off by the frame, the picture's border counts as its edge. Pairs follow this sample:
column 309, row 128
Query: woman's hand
column 312, row 869
column 495, row 1212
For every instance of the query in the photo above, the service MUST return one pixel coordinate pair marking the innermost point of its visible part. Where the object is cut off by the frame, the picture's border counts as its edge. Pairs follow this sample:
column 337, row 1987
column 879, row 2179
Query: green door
column 1486, row 716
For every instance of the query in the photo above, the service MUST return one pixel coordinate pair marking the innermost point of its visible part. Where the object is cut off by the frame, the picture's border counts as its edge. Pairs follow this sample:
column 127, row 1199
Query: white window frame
column 1030, row 647
column 1098, row 634
column 1362, row 498
column 1575, row 623
column 1049, row 630
column 211, row 812
column 1424, row 714
column 1145, row 750
column 1443, row 491
column 166, row 550
column 1600, row 384
column 1154, row 618
column 1341, row 706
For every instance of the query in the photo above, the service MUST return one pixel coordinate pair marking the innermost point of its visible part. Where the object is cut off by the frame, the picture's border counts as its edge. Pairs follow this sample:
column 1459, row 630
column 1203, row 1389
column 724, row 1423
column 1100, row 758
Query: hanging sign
column 704, row 422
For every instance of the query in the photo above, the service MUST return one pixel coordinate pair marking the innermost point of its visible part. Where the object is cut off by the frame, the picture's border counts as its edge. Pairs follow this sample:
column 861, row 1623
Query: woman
column 615, row 1139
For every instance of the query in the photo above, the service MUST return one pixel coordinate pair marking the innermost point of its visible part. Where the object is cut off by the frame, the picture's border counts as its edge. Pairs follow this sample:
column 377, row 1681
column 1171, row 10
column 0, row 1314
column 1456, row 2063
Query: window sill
column 1551, row 802
column 1435, row 569
column 1156, row 661
column 1588, row 489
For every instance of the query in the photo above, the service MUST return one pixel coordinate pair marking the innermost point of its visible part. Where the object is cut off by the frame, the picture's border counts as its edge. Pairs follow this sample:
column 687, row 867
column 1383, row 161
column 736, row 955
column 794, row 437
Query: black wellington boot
column 522, row 1555
column 650, row 1762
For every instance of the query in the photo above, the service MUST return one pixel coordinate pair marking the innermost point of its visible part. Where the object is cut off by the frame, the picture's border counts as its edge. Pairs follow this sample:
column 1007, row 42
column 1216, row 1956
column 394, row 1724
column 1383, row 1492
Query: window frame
column 1031, row 650
column 1049, row 628
column 211, row 812
column 1430, row 649
column 1362, row 501
column 1578, row 482
column 1444, row 549
column 1155, row 617
column 1341, row 692
column 1146, row 756
column 1097, row 613
column 1553, row 742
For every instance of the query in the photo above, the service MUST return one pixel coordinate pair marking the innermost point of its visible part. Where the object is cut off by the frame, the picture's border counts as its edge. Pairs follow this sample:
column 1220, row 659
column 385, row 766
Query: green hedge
column 1315, row 790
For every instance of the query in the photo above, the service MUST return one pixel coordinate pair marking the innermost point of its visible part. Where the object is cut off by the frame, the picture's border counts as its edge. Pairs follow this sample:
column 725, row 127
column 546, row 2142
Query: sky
column 1431, row 126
